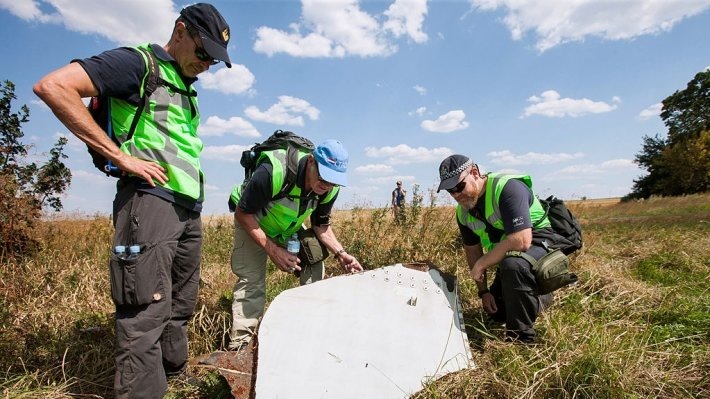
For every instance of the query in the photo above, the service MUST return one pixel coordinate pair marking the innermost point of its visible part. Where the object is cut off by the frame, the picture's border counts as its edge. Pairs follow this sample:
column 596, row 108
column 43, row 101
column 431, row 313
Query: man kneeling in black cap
column 498, row 213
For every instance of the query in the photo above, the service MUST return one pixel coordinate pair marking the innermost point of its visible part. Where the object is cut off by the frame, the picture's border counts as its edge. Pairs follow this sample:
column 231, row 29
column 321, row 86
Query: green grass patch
column 664, row 269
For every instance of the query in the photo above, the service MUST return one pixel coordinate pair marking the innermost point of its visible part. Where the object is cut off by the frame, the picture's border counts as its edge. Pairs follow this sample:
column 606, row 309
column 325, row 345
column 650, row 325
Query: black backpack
column 279, row 140
column 99, row 108
column 564, row 223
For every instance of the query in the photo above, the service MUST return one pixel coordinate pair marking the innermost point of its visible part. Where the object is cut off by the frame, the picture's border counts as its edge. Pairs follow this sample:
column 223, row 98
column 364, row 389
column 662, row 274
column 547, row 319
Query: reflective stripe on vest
column 166, row 132
column 280, row 218
column 494, row 188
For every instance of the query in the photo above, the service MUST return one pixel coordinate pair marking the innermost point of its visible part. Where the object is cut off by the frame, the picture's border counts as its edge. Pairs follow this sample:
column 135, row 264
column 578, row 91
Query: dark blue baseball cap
column 212, row 28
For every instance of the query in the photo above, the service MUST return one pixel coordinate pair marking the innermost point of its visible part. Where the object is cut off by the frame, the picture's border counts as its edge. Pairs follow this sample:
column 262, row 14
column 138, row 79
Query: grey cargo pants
column 155, row 294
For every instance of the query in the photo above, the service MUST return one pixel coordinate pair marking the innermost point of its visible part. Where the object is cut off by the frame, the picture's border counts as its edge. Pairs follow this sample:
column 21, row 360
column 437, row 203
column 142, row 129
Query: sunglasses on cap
column 460, row 186
column 200, row 52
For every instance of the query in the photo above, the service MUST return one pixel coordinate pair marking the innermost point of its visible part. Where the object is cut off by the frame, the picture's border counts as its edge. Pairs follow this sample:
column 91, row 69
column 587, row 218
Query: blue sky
column 561, row 90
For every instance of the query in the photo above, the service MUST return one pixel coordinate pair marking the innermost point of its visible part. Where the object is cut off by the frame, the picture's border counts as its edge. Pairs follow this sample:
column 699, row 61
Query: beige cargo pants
column 249, row 265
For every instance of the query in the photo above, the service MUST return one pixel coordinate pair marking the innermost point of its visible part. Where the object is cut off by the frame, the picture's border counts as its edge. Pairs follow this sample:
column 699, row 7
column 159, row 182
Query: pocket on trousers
column 137, row 281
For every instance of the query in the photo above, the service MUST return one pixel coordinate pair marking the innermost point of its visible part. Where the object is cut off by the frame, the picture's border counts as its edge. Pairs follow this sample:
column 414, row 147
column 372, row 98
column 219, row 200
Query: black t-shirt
column 515, row 201
column 118, row 73
column 257, row 193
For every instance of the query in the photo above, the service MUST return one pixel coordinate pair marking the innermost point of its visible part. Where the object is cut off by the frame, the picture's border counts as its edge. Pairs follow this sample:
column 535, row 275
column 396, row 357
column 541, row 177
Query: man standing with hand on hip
column 160, row 188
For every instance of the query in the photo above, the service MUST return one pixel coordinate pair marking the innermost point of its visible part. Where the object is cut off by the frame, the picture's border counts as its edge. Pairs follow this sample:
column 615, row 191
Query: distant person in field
column 263, row 225
column 398, row 200
column 160, row 189
column 496, row 214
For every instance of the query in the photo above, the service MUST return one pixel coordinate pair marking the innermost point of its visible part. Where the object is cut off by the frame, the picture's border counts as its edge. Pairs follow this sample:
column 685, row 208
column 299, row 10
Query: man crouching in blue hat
column 265, row 221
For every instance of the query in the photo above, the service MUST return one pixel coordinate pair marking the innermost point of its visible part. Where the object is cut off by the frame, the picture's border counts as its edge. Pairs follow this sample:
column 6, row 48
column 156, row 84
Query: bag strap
column 545, row 205
column 530, row 259
column 152, row 81
column 291, row 173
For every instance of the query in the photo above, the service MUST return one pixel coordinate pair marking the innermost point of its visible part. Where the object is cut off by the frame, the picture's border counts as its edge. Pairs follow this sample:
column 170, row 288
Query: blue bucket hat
column 332, row 160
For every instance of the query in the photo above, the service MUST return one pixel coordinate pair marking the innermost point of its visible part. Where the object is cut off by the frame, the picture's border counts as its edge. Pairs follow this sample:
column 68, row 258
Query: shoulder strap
column 546, row 206
column 151, row 83
column 530, row 259
column 291, row 173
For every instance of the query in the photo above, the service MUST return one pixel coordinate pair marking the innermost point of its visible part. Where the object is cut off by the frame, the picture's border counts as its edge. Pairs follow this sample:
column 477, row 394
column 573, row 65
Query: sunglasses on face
column 200, row 52
column 322, row 181
column 458, row 187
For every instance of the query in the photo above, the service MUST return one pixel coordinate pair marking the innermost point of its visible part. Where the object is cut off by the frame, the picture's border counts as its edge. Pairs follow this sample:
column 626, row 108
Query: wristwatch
column 481, row 293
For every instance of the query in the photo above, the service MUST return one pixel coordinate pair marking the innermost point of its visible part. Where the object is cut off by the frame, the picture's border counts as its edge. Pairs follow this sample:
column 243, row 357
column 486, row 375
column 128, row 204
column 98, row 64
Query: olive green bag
column 551, row 271
column 312, row 250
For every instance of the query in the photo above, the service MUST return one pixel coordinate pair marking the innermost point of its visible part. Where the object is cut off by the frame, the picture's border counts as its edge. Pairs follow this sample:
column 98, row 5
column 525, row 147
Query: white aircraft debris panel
column 381, row 333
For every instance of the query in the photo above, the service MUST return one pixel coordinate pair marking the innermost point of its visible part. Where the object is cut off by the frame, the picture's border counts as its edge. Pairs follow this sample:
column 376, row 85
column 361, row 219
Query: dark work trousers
column 514, row 291
column 155, row 296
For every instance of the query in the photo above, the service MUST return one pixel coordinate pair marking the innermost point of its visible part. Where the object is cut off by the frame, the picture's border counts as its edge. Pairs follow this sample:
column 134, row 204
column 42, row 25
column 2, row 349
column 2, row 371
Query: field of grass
column 637, row 325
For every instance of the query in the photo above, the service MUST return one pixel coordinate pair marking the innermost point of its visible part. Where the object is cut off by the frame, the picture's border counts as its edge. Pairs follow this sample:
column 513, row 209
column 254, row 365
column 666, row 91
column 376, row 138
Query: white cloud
column 39, row 103
column 27, row 10
column 93, row 178
column 407, row 17
column 403, row 154
column 558, row 22
column 592, row 170
column 339, row 28
column 374, row 169
column 550, row 104
column 420, row 90
column 216, row 126
column 285, row 112
column 616, row 164
column 447, row 123
column 419, row 111
column 73, row 142
column 510, row 159
column 650, row 112
column 392, row 179
column 235, row 80
column 123, row 22
column 228, row 153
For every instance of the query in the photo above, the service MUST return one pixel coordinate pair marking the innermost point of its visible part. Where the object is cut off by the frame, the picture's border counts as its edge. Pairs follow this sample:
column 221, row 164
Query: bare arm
column 326, row 235
column 517, row 241
column 281, row 258
column 473, row 254
column 62, row 90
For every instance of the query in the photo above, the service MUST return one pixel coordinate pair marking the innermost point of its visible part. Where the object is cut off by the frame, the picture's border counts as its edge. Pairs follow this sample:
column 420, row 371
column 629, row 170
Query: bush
column 25, row 188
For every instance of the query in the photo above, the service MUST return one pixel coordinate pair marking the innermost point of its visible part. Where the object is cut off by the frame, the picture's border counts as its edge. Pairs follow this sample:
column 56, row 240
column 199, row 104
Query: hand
column 478, row 273
column 284, row 260
column 147, row 170
column 489, row 303
column 349, row 263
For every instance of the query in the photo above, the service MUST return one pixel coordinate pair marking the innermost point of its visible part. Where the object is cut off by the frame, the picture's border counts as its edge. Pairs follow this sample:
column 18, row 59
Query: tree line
column 677, row 163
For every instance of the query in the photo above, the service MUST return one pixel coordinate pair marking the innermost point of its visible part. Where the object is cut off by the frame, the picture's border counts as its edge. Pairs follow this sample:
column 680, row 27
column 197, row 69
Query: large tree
column 679, row 163
column 25, row 187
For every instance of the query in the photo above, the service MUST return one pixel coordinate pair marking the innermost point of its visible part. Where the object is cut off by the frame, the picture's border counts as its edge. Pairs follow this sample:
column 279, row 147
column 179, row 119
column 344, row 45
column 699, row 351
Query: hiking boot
column 185, row 379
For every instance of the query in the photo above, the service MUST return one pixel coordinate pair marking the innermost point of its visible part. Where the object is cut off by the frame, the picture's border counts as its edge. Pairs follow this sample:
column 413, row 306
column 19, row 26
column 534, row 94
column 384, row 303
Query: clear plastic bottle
column 120, row 250
column 133, row 251
column 293, row 246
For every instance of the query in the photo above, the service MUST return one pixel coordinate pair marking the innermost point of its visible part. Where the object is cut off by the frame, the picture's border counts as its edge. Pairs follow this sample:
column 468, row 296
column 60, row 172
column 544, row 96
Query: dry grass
column 637, row 324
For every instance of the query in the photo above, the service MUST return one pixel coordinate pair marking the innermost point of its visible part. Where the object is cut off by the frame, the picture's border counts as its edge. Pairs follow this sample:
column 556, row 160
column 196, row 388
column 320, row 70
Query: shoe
column 545, row 301
column 517, row 338
column 185, row 379
column 236, row 347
